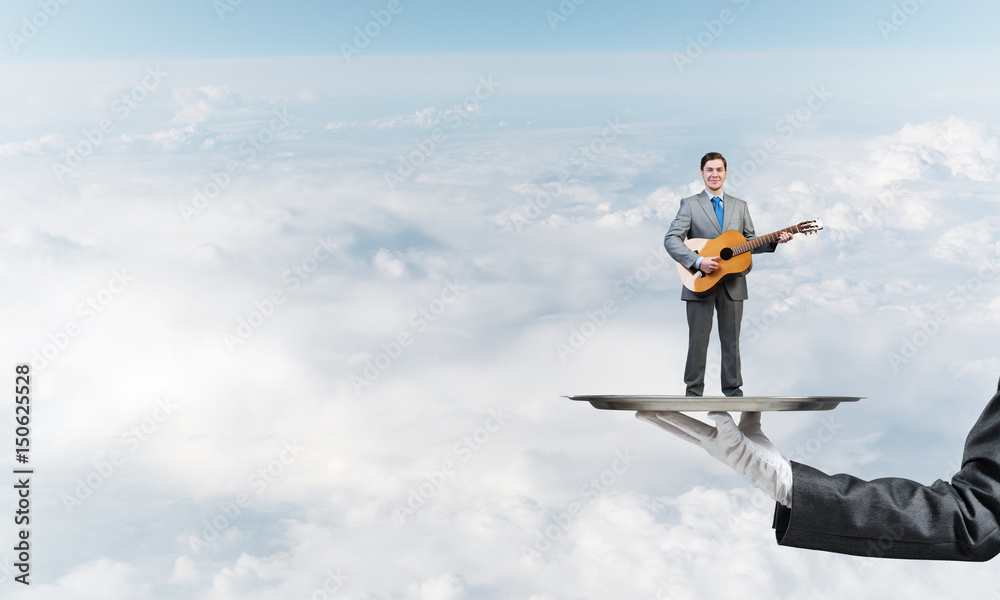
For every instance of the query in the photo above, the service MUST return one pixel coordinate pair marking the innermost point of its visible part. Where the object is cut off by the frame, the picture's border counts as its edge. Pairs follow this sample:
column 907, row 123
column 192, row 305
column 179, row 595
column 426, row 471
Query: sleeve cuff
column 782, row 515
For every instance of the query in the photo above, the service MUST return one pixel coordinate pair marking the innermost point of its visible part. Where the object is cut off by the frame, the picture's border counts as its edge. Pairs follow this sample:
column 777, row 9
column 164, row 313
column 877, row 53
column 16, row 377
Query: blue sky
column 292, row 223
column 194, row 28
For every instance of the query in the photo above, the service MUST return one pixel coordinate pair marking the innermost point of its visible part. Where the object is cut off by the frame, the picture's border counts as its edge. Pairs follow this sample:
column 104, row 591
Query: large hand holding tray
column 709, row 403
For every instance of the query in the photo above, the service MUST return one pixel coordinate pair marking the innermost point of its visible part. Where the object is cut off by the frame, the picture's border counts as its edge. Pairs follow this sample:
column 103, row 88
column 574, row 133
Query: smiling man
column 707, row 215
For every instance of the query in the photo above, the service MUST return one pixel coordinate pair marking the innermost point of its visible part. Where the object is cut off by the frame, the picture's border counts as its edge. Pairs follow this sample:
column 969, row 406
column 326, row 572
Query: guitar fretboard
column 764, row 239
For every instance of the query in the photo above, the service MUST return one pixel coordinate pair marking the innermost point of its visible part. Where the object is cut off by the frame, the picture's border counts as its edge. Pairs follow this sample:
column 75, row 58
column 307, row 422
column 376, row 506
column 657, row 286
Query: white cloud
column 443, row 587
column 175, row 138
column 340, row 125
column 425, row 118
column 102, row 578
column 965, row 148
column 967, row 242
column 186, row 571
column 47, row 144
column 388, row 265
column 625, row 218
column 203, row 103
column 309, row 96
column 824, row 313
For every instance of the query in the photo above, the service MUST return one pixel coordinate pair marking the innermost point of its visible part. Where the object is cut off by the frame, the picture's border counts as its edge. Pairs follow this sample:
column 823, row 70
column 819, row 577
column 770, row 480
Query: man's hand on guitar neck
column 784, row 236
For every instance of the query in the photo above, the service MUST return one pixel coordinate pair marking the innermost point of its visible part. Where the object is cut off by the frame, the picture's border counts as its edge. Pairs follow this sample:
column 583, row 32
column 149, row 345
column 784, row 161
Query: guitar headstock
column 810, row 226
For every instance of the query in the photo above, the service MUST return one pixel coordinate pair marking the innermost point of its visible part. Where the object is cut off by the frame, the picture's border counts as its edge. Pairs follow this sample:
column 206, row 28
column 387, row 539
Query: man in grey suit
column 889, row 517
column 707, row 215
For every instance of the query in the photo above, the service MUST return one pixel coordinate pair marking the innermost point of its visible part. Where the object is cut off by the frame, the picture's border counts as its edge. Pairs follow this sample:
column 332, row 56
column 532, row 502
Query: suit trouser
column 699, row 316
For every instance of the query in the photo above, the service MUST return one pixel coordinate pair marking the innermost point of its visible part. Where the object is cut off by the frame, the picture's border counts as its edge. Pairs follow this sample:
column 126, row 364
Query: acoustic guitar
column 733, row 251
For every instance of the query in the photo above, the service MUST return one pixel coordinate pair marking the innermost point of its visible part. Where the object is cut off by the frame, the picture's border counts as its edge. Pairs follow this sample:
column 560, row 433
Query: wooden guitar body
column 702, row 284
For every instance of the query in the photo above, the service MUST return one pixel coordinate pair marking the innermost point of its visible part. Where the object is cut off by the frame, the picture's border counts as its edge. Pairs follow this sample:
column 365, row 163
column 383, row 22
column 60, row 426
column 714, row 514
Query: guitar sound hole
column 726, row 253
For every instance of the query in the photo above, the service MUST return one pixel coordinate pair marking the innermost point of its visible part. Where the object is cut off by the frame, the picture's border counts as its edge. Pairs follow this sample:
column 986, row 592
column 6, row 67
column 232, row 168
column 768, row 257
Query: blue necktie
column 717, row 202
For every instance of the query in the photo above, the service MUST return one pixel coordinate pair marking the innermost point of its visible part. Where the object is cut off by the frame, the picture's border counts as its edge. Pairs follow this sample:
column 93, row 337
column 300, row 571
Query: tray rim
column 712, row 403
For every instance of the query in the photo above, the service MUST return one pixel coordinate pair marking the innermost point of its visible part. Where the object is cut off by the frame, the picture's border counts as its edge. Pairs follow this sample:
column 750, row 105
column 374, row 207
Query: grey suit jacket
column 696, row 219
column 899, row 518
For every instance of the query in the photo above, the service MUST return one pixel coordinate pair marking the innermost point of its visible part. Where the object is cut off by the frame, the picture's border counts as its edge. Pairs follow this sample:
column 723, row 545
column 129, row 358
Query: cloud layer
column 291, row 376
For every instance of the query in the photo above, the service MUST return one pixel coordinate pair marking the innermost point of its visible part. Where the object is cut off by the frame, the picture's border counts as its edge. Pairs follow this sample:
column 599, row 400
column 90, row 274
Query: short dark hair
column 713, row 156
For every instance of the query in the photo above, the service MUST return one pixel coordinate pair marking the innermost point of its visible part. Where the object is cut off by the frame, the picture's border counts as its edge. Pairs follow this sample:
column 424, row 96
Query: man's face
column 714, row 174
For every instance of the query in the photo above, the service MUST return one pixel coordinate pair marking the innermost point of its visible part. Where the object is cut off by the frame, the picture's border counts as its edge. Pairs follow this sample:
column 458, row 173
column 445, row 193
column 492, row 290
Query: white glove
column 745, row 448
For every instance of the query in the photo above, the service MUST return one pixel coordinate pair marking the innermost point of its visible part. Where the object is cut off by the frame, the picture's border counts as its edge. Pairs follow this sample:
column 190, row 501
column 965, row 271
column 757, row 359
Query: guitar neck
column 757, row 242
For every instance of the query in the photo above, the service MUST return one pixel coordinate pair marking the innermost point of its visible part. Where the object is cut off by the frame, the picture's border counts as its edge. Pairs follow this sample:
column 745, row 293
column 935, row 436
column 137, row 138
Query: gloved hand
column 745, row 448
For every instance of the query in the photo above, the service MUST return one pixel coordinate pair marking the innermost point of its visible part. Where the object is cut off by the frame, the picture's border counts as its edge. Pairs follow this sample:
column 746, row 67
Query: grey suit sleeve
column 899, row 518
column 677, row 233
column 749, row 234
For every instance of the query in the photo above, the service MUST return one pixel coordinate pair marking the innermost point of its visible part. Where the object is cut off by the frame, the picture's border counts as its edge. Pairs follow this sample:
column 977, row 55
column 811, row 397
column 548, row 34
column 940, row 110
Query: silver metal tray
column 709, row 403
